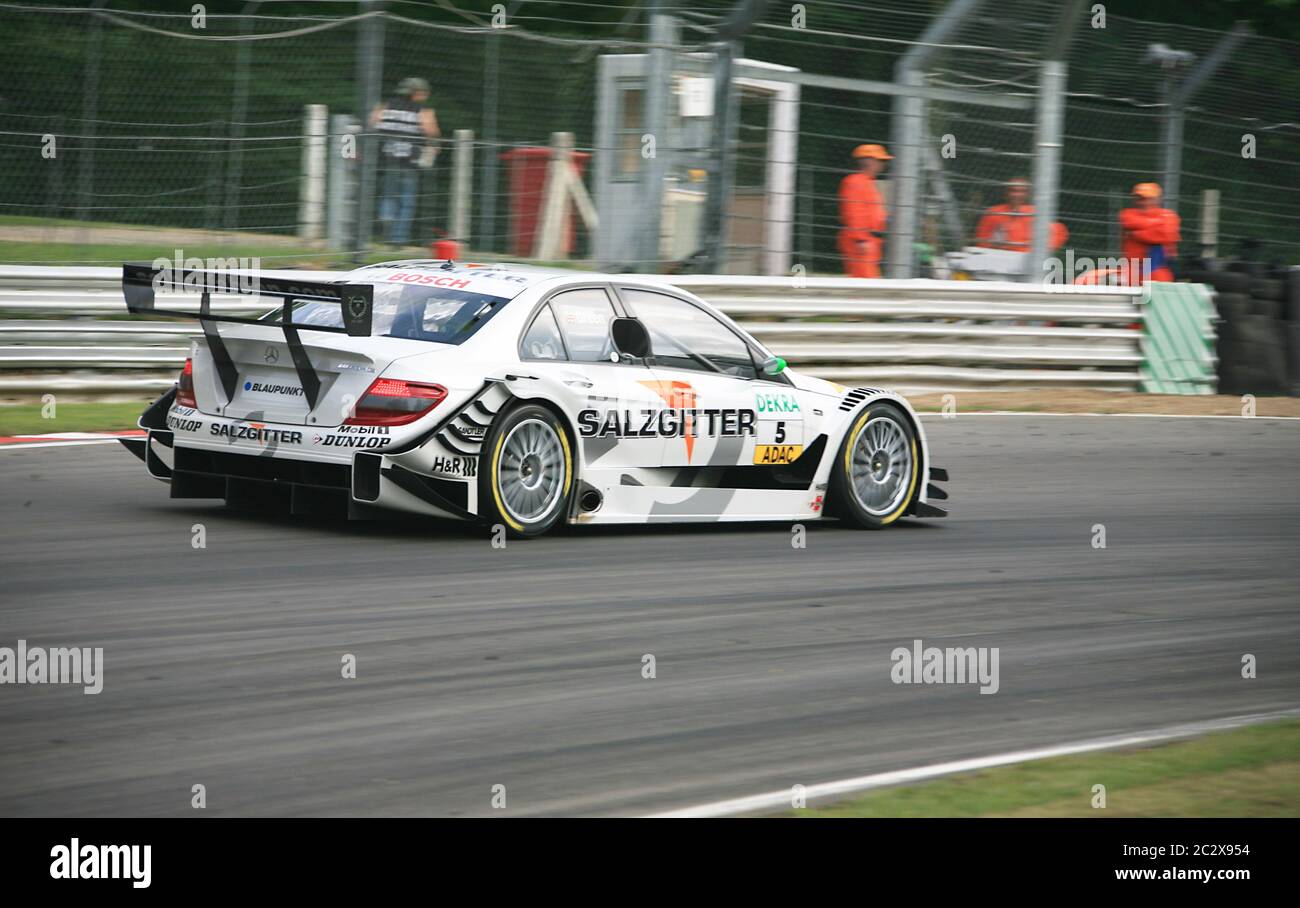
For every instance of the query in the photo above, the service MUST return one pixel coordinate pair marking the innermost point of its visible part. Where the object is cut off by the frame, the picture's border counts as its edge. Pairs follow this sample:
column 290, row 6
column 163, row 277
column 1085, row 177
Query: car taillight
column 185, row 386
column 393, row 402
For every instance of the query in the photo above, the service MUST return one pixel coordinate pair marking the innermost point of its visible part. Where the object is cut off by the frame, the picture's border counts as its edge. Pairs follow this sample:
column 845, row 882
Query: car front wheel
column 874, row 478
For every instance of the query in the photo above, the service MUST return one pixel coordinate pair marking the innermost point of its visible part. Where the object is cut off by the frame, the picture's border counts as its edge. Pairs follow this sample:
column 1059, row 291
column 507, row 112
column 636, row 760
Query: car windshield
column 439, row 314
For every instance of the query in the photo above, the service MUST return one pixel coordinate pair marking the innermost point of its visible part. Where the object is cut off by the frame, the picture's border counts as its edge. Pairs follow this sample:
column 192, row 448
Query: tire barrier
column 1258, row 343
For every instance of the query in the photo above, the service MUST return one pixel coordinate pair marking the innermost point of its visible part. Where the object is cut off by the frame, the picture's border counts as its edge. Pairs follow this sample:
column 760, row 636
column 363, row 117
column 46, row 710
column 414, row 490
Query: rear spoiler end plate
column 142, row 281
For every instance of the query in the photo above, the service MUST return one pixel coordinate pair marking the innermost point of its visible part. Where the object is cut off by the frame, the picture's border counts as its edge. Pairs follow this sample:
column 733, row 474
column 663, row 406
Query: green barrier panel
column 1178, row 340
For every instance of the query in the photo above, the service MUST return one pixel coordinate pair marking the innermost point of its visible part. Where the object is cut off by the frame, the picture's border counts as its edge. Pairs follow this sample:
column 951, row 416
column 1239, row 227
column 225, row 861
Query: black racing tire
column 1231, row 306
column 873, row 483
column 1292, row 311
column 1229, row 281
column 1265, row 288
column 1265, row 308
column 526, row 471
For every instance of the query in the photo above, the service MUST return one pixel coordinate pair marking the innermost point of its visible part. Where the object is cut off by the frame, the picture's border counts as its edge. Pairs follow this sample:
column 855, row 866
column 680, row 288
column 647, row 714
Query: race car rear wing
column 140, row 282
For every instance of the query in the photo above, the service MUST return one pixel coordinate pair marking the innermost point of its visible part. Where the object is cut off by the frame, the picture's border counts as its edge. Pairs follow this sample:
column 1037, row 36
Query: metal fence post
column 342, row 182
column 909, row 120
column 725, row 124
column 370, row 68
column 1178, row 96
column 491, row 91
column 714, row 227
column 89, row 111
column 908, row 129
column 462, row 185
column 1048, row 128
column 238, row 111
column 663, row 35
column 311, row 203
column 1173, row 163
column 491, row 76
column 1047, row 161
column 1210, row 223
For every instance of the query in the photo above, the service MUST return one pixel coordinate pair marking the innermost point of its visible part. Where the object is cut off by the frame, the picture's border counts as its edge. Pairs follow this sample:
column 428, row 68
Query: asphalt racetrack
column 522, row 666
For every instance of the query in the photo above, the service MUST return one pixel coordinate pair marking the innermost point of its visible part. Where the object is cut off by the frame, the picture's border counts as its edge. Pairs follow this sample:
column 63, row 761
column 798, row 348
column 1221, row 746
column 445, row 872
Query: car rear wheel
column 874, row 479
column 527, row 476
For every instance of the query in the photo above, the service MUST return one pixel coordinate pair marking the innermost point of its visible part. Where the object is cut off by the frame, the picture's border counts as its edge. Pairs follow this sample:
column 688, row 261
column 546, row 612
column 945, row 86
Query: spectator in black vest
column 405, row 124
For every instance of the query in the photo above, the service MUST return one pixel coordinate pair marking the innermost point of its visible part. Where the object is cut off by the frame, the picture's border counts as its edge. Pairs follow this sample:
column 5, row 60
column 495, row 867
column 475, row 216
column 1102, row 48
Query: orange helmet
column 872, row 151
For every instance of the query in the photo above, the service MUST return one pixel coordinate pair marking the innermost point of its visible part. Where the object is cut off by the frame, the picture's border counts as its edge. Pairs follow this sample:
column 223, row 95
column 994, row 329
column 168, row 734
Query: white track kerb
column 780, row 800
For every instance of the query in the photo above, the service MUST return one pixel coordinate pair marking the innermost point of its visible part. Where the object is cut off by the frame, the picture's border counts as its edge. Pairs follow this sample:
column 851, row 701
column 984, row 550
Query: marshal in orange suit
column 1011, row 225
column 862, row 213
column 1150, row 232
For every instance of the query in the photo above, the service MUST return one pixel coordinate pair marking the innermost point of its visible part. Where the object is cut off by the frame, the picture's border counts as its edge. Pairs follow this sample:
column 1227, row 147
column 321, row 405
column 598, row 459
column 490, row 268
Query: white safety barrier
column 67, row 329
column 939, row 335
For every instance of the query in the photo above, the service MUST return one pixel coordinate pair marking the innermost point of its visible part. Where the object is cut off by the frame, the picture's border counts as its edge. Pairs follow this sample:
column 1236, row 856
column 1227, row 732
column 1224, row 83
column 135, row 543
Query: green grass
column 26, row 419
column 21, row 220
column 36, row 251
column 24, row 253
column 1249, row 772
column 13, row 252
column 281, row 252
column 1016, row 408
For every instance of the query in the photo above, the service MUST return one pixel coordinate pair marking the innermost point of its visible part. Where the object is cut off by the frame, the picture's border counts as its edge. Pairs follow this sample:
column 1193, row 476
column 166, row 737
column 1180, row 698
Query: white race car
column 519, row 397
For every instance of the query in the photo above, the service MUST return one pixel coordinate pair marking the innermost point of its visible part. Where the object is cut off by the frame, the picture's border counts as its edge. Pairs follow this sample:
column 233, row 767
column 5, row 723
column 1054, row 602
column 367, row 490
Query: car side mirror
column 773, row 365
column 631, row 337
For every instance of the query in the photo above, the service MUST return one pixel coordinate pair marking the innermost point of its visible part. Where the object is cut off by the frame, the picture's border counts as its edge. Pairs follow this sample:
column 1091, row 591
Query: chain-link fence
column 110, row 117
column 1241, row 135
column 967, row 150
column 128, row 118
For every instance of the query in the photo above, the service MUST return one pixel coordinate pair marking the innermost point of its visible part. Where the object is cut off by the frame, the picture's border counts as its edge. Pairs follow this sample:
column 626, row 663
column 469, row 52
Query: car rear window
column 438, row 314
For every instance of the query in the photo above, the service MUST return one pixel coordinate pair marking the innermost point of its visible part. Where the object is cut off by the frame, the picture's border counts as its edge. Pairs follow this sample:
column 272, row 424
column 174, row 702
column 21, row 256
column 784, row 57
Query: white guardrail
column 66, row 329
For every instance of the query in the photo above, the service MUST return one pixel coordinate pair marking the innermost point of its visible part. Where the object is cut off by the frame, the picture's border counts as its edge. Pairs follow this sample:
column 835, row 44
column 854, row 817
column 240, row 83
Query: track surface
column 522, row 667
